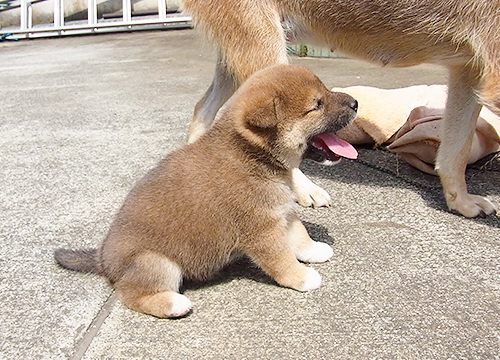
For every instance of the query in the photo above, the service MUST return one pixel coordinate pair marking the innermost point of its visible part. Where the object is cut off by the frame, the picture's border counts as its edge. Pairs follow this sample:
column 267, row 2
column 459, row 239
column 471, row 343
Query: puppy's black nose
column 354, row 105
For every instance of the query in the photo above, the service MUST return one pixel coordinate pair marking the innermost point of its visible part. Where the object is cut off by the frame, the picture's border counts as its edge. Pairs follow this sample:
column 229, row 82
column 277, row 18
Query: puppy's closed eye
column 318, row 105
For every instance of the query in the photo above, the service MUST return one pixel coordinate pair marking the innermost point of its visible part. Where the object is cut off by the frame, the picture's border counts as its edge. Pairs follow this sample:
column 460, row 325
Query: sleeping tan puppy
column 226, row 195
column 462, row 35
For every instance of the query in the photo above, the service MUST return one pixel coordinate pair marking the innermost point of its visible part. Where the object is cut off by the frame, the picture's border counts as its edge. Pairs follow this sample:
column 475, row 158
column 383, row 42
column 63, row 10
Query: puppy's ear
column 262, row 114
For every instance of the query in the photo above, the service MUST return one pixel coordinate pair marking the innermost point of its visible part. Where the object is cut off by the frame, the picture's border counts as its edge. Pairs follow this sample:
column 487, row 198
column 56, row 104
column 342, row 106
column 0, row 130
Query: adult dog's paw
column 471, row 205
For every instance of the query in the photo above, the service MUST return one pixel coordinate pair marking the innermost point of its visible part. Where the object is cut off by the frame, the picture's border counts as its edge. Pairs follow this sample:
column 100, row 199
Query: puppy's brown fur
column 225, row 195
column 462, row 35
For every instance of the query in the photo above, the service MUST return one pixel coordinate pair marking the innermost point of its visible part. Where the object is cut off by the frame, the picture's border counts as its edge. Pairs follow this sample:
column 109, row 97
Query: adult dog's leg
column 249, row 38
column 462, row 110
column 222, row 87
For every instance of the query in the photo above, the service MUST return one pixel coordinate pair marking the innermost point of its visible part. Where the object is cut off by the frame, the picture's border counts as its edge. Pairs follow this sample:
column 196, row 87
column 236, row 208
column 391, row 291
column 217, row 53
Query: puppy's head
column 289, row 113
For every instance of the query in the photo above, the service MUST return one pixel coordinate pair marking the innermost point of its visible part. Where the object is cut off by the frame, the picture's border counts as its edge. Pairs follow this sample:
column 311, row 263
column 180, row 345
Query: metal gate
column 93, row 25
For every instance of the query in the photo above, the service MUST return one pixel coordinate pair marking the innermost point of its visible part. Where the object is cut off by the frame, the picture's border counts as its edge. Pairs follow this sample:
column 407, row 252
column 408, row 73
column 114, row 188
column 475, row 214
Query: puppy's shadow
column 244, row 268
column 318, row 232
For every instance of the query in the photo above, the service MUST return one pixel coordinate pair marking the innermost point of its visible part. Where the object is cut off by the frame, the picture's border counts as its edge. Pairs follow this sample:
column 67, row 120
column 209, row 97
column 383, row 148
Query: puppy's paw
column 471, row 205
column 308, row 193
column 181, row 306
column 312, row 280
column 317, row 253
column 313, row 196
column 166, row 304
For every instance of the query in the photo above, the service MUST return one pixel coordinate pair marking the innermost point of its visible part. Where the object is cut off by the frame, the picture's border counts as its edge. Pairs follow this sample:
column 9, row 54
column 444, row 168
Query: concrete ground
column 82, row 118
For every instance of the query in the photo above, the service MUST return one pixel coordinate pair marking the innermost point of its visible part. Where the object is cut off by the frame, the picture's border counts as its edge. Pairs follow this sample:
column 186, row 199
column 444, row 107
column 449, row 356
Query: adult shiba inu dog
column 225, row 195
column 462, row 35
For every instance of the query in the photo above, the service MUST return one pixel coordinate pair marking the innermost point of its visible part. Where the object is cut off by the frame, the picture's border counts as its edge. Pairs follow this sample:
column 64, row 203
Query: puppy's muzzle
column 327, row 148
column 354, row 105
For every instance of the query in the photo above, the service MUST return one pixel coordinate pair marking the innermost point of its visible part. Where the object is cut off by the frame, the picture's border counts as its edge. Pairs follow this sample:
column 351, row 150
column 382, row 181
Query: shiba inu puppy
column 226, row 195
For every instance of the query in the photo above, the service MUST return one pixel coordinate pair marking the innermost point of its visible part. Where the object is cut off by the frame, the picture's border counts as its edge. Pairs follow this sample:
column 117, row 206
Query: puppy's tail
column 85, row 261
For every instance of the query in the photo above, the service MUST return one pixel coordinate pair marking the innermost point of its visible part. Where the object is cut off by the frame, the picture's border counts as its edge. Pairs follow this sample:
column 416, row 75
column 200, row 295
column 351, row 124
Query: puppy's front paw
column 313, row 196
column 317, row 253
column 308, row 193
column 312, row 280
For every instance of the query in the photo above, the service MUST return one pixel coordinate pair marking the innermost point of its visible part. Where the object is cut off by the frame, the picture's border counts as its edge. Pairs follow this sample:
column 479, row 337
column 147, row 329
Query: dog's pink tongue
column 337, row 145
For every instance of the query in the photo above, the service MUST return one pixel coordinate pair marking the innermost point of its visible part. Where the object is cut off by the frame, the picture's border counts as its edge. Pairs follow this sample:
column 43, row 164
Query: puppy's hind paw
column 181, row 306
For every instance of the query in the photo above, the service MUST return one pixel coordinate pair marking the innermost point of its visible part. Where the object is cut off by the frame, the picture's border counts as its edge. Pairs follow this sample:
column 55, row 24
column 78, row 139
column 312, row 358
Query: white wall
column 43, row 12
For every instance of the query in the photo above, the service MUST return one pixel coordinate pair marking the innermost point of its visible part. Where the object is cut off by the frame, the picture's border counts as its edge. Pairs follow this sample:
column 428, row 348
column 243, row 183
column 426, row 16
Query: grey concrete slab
column 82, row 118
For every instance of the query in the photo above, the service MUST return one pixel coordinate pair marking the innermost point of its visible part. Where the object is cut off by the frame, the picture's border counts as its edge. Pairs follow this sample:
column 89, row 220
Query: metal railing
column 93, row 24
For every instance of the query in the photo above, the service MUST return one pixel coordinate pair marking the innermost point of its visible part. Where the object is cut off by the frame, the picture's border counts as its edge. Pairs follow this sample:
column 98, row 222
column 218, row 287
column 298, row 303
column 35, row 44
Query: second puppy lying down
column 225, row 195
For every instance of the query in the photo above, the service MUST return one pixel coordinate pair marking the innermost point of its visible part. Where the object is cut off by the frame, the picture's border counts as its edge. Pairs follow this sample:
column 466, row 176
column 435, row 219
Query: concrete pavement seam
column 94, row 327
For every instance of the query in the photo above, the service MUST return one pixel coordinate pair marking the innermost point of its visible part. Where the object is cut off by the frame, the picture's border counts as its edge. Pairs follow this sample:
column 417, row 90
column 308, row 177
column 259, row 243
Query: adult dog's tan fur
column 462, row 35
column 229, row 193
